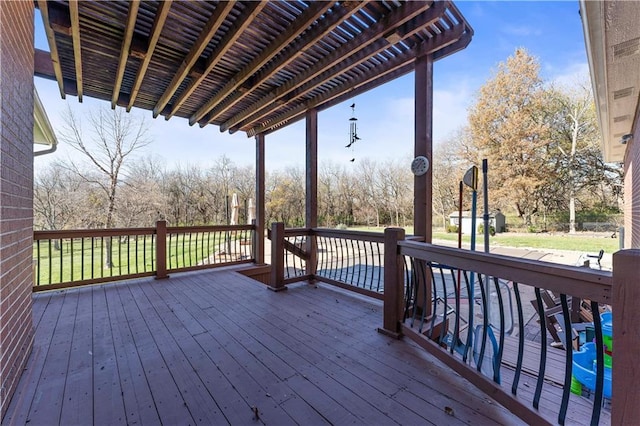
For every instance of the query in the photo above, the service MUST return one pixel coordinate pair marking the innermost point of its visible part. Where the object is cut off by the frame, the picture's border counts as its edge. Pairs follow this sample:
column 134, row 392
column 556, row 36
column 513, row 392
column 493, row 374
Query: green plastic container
column 607, row 338
column 576, row 386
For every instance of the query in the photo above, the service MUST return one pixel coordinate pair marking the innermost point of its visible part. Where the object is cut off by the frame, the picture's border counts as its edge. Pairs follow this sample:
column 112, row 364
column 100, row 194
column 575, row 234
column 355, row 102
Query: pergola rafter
column 156, row 30
column 373, row 35
column 240, row 65
column 213, row 25
column 315, row 11
column 134, row 6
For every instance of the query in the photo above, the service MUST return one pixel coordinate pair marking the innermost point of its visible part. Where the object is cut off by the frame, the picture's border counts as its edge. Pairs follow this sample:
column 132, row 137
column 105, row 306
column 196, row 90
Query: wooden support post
column 161, row 249
column 311, row 205
column 625, row 400
column 422, row 185
column 260, row 199
column 393, row 283
column 277, row 257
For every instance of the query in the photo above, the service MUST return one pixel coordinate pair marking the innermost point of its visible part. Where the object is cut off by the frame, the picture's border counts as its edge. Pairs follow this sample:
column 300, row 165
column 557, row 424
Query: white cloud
column 575, row 73
column 450, row 110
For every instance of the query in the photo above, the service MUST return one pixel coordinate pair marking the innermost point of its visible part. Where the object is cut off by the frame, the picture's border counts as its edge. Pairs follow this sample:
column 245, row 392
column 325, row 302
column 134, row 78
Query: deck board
column 209, row 347
column 136, row 403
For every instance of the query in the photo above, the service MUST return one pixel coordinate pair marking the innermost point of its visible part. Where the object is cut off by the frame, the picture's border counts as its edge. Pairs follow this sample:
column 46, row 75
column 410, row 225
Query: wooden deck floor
column 217, row 347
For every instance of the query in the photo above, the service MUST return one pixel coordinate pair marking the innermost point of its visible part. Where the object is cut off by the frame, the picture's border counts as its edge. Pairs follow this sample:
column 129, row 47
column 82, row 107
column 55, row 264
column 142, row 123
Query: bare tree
column 448, row 169
column 578, row 155
column 112, row 139
column 58, row 198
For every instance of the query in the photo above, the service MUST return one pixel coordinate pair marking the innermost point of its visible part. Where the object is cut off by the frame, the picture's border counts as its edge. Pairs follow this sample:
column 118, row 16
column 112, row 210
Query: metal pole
column 485, row 217
column 485, row 193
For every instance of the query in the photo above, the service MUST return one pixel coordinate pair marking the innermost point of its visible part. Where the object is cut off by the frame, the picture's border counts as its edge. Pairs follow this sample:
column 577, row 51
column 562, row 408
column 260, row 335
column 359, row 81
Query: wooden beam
column 302, row 22
column 360, row 42
column 53, row 48
column 43, row 65
column 154, row 36
column 213, row 24
column 134, row 5
column 77, row 48
column 311, row 192
column 260, row 199
column 238, row 27
column 60, row 19
column 338, row 14
column 423, row 146
column 320, row 102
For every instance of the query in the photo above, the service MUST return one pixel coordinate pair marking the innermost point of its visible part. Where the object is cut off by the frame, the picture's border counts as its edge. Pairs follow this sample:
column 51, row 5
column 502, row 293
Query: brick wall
column 632, row 190
column 16, row 192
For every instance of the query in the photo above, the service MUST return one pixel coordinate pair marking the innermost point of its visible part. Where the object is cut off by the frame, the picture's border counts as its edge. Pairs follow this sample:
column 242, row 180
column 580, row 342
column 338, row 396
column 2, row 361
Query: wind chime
column 353, row 131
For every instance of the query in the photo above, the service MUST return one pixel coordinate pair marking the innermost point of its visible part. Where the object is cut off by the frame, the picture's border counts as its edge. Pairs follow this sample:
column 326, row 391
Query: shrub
column 492, row 230
column 452, row 229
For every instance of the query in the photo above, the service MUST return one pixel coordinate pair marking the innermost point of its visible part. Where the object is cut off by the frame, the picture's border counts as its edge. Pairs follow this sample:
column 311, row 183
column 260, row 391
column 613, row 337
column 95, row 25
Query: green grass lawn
column 586, row 243
column 577, row 242
column 80, row 260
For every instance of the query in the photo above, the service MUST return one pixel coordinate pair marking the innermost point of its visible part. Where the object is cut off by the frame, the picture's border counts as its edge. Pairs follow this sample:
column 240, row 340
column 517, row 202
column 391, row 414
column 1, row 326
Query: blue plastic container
column 584, row 369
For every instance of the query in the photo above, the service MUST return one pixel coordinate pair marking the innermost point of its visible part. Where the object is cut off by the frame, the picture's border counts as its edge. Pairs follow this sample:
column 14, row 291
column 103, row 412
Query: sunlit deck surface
column 214, row 347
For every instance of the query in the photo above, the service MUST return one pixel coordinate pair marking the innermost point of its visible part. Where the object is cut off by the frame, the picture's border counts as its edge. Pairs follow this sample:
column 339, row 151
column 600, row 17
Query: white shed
column 497, row 220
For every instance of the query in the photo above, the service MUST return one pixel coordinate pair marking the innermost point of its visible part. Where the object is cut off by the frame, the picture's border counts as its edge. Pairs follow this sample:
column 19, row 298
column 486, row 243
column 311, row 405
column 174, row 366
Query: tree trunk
column 572, row 212
column 107, row 254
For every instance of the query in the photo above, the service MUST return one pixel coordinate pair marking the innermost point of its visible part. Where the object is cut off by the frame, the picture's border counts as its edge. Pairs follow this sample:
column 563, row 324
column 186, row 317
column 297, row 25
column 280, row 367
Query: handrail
column 87, row 233
column 574, row 280
column 210, row 228
column 377, row 237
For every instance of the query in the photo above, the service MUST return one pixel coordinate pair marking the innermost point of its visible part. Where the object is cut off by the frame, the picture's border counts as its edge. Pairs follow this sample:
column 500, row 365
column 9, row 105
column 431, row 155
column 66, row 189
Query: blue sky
column 550, row 30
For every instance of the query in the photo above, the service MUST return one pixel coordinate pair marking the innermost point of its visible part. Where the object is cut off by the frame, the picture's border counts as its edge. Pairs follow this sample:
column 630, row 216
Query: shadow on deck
column 216, row 347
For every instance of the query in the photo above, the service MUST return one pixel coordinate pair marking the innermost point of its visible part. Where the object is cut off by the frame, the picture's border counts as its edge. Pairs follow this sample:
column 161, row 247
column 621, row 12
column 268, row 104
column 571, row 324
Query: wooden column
column 393, row 283
column 260, row 199
column 422, row 185
column 161, row 249
column 311, row 206
column 625, row 400
column 277, row 257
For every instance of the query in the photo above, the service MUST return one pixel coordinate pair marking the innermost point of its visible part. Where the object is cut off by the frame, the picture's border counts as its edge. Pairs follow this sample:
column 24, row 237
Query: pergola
column 251, row 66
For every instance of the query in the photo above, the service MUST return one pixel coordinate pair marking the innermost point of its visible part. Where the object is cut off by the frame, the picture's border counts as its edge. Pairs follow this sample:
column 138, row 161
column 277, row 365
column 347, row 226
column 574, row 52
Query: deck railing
column 78, row 257
column 352, row 260
column 469, row 310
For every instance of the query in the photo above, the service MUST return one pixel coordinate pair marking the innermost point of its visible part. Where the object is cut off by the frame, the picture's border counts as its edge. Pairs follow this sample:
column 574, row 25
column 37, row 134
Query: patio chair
column 597, row 257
